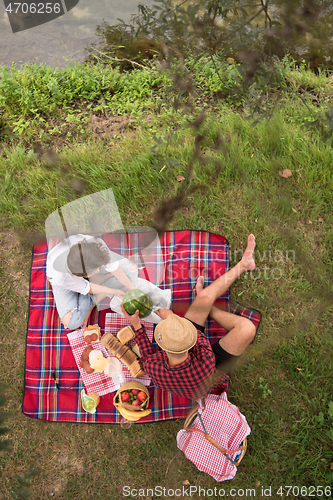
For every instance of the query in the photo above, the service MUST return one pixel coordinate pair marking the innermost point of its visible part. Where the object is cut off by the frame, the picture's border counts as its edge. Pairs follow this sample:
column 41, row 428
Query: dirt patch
column 113, row 126
column 99, row 125
column 15, row 260
column 9, row 240
column 59, row 132
column 77, row 466
column 57, row 487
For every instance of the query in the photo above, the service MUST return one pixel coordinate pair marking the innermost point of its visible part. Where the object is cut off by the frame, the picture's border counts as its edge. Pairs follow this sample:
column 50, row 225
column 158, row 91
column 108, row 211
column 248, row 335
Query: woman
column 76, row 269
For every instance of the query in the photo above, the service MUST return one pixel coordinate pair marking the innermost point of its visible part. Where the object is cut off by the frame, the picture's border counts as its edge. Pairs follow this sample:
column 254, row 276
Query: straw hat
column 175, row 334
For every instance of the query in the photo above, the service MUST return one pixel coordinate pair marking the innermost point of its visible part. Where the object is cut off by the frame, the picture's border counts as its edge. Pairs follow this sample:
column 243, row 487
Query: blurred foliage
column 23, row 491
column 121, row 49
column 246, row 31
column 254, row 36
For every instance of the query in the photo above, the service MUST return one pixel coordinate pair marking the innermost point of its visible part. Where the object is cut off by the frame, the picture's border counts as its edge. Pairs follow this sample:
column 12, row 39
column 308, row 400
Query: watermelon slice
column 136, row 299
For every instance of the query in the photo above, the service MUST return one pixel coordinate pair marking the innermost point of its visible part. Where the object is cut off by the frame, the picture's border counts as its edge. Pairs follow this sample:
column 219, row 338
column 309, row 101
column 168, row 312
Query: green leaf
column 330, row 409
column 320, row 418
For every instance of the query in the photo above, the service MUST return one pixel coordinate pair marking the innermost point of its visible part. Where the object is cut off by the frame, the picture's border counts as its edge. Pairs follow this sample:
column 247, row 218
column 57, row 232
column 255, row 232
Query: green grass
column 283, row 384
column 40, row 103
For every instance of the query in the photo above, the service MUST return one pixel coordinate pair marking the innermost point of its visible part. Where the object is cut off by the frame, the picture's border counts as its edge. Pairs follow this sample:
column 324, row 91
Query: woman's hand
column 118, row 293
column 130, row 287
column 134, row 319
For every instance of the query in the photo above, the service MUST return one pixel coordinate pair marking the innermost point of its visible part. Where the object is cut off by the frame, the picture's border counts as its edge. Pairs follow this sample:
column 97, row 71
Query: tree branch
column 239, row 28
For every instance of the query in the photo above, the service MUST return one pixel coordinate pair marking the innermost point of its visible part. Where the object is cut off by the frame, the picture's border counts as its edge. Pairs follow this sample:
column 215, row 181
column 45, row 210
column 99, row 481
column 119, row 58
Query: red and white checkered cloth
column 115, row 322
column 224, row 423
column 99, row 382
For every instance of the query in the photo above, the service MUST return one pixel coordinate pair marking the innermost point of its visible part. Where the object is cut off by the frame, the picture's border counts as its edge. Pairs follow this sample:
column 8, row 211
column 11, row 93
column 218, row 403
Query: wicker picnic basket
column 194, row 413
column 127, row 413
column 244, row 448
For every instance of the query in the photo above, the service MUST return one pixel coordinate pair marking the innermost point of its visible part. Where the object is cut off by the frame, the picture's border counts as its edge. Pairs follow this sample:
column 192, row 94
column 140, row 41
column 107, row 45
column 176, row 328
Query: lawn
column 238, row 183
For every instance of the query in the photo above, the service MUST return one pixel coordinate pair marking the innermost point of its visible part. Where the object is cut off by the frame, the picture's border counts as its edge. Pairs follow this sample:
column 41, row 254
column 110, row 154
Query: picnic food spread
column 132, row 399
column 136, row 299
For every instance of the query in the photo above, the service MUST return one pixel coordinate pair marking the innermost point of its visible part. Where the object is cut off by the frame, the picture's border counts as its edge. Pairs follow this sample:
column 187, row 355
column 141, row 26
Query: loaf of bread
column 124, row 354
column 136, row 350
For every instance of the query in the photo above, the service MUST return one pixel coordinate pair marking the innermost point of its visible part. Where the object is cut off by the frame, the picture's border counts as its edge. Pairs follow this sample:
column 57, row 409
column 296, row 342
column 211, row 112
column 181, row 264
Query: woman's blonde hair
column 85, row 257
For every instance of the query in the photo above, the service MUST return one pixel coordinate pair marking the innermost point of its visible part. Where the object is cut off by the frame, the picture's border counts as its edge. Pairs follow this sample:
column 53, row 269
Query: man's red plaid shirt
column 191, row 379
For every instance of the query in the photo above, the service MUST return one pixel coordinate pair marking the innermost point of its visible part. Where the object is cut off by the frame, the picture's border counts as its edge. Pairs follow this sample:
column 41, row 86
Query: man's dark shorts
column 221, row 356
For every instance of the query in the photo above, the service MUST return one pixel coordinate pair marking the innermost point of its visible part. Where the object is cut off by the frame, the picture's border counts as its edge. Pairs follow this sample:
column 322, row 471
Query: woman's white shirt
column 65, row 279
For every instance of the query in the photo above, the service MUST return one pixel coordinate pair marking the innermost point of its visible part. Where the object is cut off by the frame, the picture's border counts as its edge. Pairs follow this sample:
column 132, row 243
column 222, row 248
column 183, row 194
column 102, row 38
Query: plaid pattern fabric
column 191, row 379
column 225, row 424
column 52, row 380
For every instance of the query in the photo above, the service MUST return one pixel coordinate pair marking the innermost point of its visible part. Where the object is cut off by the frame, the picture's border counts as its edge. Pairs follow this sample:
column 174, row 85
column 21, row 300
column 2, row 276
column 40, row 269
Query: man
column 186, row 362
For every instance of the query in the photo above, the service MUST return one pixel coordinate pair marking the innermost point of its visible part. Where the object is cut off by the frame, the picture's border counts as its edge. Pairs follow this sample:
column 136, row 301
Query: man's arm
column 202, row 349
column 144, row 344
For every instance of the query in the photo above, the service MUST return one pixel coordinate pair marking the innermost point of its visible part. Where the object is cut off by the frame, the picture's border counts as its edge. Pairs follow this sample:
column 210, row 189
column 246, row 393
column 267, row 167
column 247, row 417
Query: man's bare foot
column 248, row 260
column 199, row 284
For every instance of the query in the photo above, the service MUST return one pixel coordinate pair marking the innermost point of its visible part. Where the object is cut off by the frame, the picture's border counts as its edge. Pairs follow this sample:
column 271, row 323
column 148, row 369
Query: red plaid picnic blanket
column 53, row 382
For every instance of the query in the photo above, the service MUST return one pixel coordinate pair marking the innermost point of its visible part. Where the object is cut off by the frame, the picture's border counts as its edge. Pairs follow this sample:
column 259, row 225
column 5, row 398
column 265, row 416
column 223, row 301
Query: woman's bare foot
column 199, row 284
column 86, row 319
column 248, row 260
